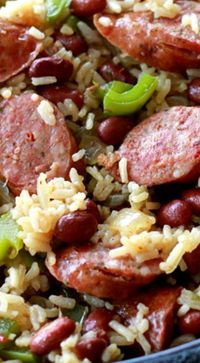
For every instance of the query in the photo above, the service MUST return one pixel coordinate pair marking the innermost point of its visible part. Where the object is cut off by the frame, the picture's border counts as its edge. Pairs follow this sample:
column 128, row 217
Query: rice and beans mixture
column 99, row 189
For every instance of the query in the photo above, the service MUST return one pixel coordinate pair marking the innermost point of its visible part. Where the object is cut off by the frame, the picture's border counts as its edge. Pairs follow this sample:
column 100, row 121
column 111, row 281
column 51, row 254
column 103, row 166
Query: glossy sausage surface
column 90, row 269
column 160, row 42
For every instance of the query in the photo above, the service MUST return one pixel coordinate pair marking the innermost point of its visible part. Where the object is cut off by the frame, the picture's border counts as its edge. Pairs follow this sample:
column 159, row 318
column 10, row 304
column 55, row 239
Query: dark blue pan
column 185, row 353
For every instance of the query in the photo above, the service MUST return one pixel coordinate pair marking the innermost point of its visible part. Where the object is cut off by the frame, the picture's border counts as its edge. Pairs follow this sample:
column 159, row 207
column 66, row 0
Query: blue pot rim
column 167, row 352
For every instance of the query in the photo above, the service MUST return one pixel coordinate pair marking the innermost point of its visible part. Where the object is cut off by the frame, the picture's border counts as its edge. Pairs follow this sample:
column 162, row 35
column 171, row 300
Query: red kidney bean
column 113, row 130
column 110, row 72
column 87, row 7
column 91, row 348
column 92, row 208
column 98, row 320
column 194, row 90
column 76, row 227
column 175, row 213
column 51, row 335
column 51, row 66
column 74, row 42
column 57, row 94
column 192, row 196
column 190, row 323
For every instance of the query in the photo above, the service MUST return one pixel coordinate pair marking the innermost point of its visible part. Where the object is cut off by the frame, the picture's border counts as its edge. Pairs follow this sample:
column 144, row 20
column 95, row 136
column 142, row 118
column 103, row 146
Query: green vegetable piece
column 121, row 100
column 77, row 314
column 10, row 243
column 7, row 327
column 56, row 9
column 72, row 21
column 24, row 355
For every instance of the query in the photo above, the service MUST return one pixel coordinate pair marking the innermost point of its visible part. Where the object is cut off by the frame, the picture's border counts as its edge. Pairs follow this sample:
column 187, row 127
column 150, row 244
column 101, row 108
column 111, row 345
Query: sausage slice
column 163, row 148
column 160, row 42
column 17, row 49
column 29, row 146
column 162, row 304
column 89, row 269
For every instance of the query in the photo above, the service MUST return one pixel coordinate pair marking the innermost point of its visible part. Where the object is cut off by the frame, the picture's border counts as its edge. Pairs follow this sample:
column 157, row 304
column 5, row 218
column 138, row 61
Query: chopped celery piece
column 10, row 243
column 24, row 355
column 121, row 100
column 56, row 9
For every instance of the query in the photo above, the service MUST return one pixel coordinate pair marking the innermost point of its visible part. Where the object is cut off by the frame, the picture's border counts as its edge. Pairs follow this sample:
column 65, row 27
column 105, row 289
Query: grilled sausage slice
column 29, row 146
column 89, row 269
column 162, row 304
column 163, row 148
column 17, row 49
column 160, row 42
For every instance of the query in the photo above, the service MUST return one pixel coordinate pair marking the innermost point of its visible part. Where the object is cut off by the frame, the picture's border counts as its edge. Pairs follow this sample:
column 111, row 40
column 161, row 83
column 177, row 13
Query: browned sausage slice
column 160, row 42
column 29, row 146
column 17, row 49
column 89, row 269
column 162, row 304
column 163, row 148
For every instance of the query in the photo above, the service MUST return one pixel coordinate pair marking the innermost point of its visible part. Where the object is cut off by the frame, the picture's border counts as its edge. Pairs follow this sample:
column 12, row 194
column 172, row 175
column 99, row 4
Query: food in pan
column 99, row 178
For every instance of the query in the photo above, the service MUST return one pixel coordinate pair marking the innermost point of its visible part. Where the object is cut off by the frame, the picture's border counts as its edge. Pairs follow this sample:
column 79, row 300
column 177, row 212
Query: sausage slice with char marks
column 160, row 42
column 29, row 146
column 89, row 269
column 17, row 49
column 163, row 148
column 162, row 304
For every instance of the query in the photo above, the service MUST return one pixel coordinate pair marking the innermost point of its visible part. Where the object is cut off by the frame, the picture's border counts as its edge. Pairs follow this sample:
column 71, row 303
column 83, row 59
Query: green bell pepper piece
column 121, row 99
column 10, row 243
column 23, row 355
column 72, row 21
column 56, row 9
column 7, row 327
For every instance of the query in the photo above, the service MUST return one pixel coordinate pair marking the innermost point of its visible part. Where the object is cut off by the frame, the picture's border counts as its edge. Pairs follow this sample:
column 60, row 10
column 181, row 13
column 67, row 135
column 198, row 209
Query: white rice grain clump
column 134, row 332
column 191, row 20
column 25, row 12
column 189, row 300
column 160, row 8
column 46, row 111
column 38, row 214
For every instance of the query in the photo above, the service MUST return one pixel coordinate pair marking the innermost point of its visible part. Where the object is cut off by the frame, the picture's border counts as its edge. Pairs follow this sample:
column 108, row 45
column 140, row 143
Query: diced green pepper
column 77, row 314
column 10, row 243
column 23, row 355
column 72, row 21
column 56, row 9
column 7, row 327
column 121, row 100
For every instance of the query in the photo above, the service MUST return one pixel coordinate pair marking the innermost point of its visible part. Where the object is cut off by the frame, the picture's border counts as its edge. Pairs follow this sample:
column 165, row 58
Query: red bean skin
column 51, row 66
column 192, row 196
column 98, row 320
column 76, row 227
column 113, row 130
column 57, row 94
column 51, row 335
column 92, row 208
column 91, row 348
column 74, row 42
column 110, row 72
column 175, row 213
column 86, row 8
column 194, row 90
column 190, row 323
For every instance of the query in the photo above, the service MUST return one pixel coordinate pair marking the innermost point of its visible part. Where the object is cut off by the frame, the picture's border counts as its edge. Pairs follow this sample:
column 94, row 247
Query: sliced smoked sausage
column 29, row 146
column 160, row 42
column 17, row 49
column 89, row 269
column 162, row 304
column 163, row 148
